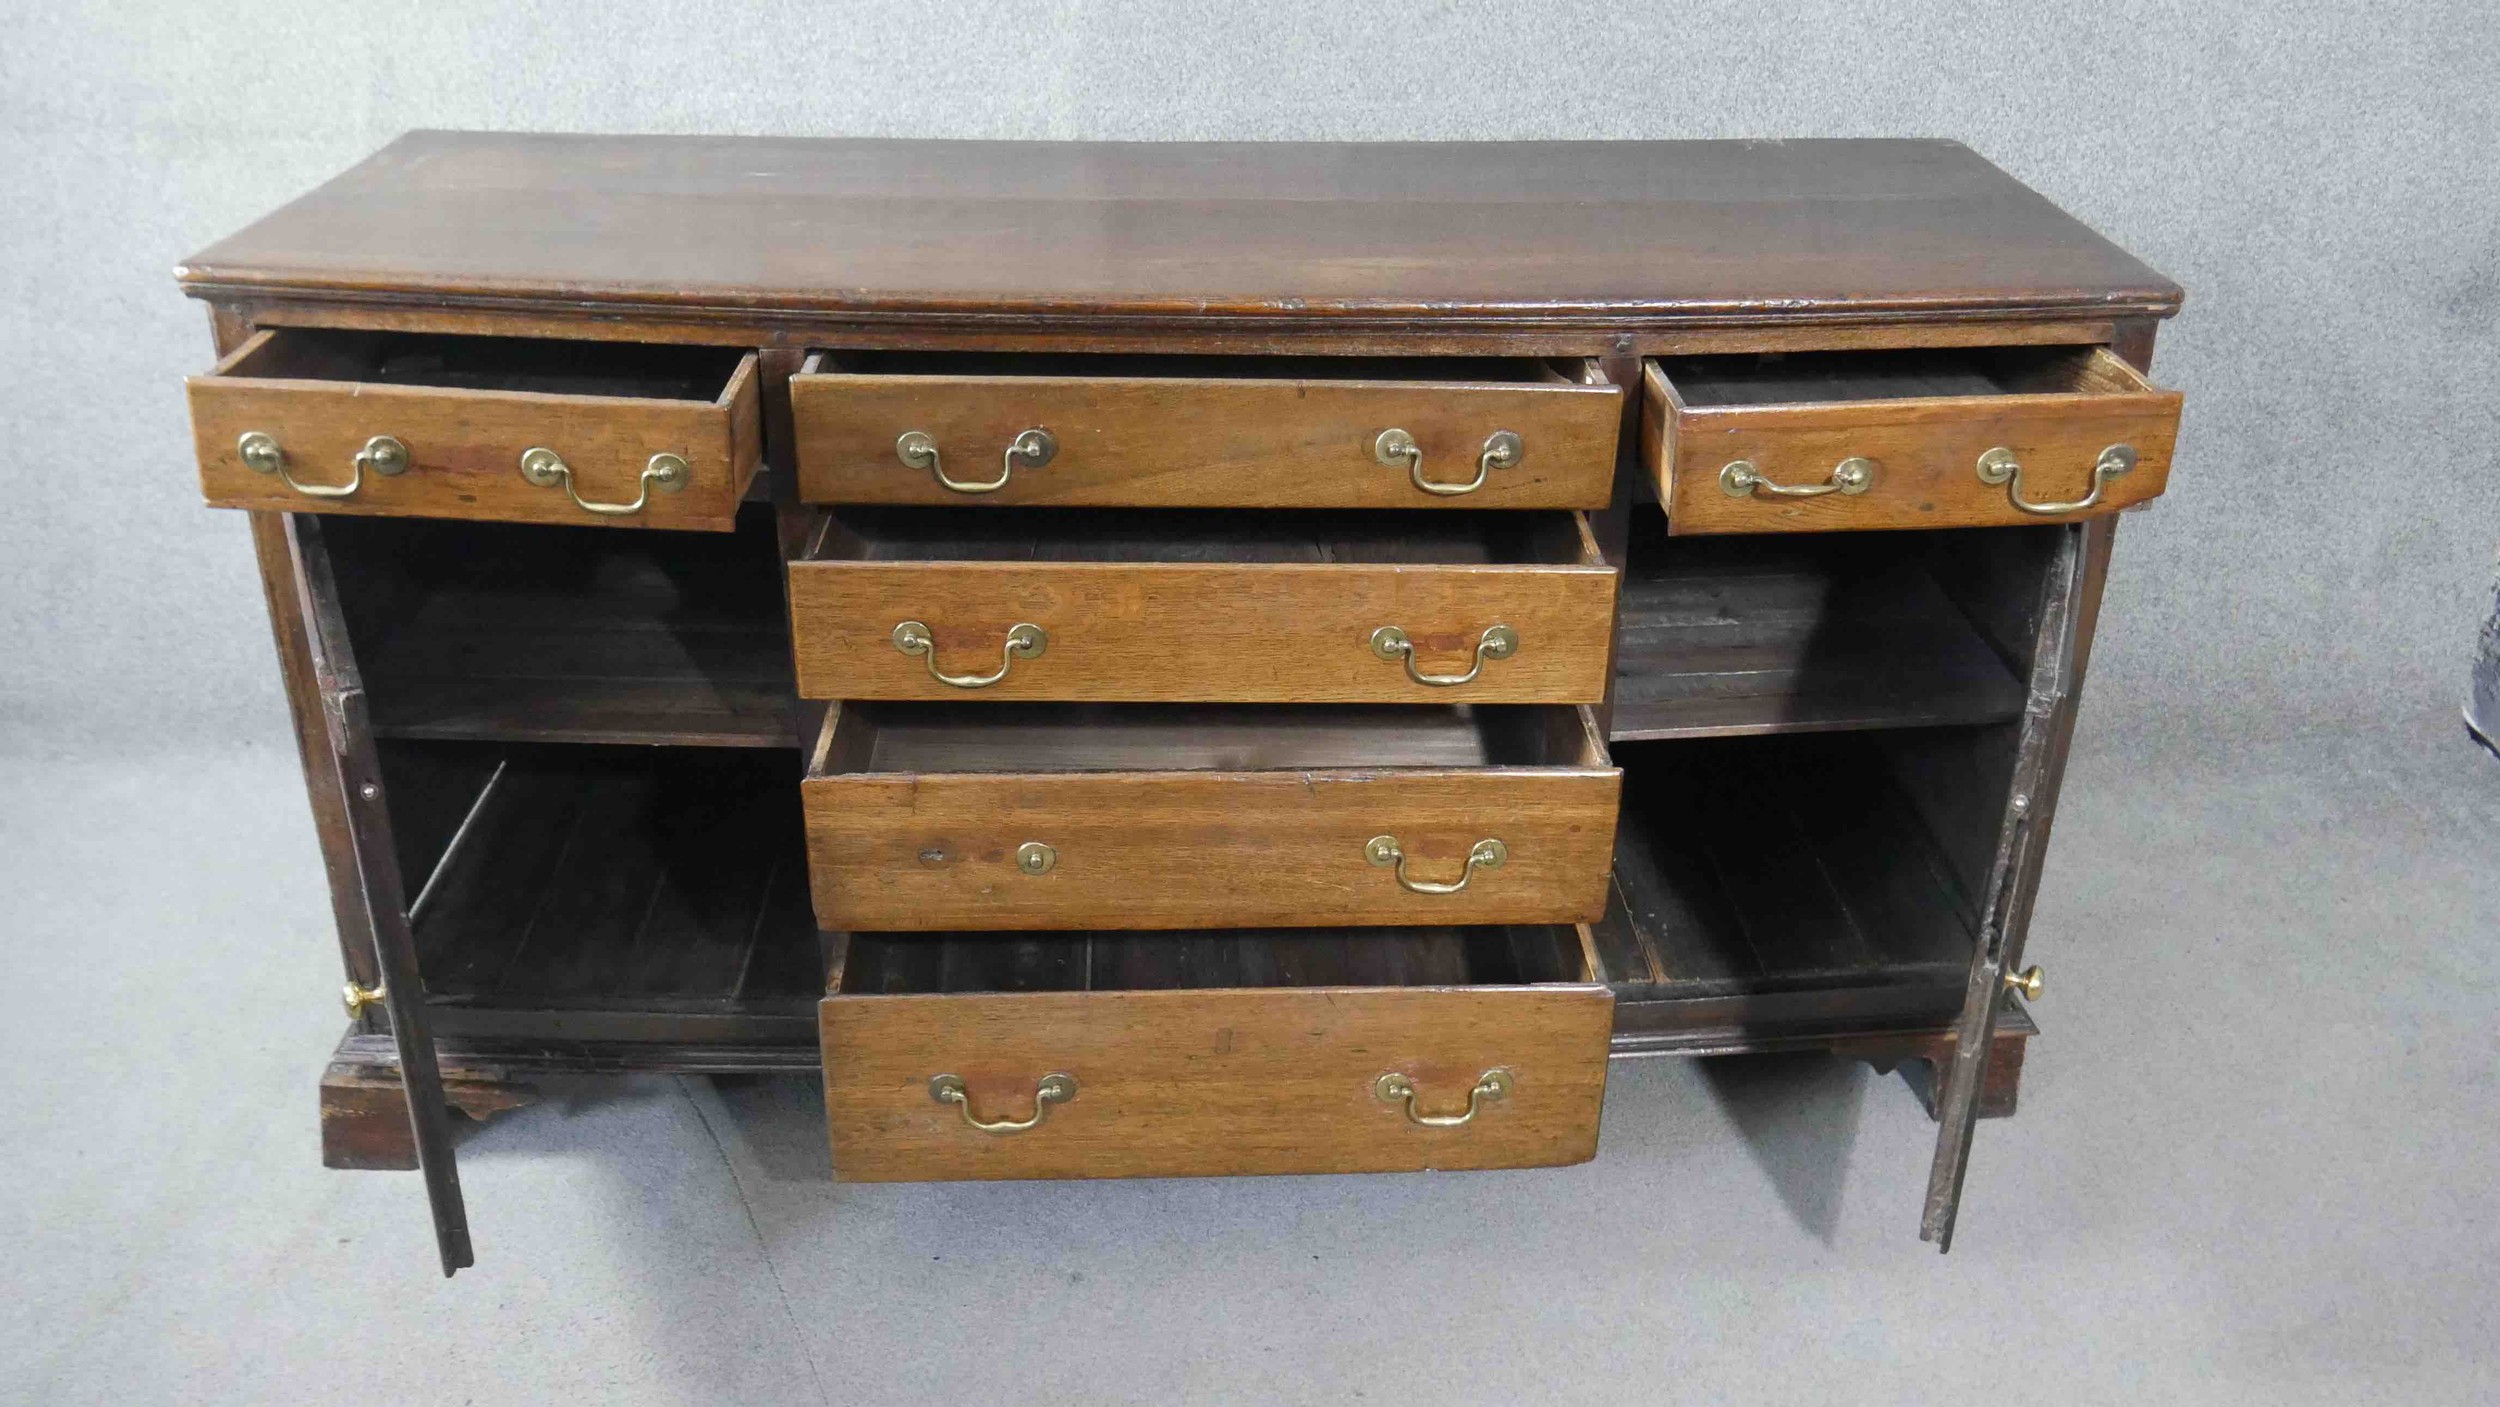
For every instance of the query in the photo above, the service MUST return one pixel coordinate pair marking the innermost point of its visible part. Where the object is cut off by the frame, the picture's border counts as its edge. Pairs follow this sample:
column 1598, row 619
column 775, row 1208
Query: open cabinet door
column 2006, row 904
column 345, row 718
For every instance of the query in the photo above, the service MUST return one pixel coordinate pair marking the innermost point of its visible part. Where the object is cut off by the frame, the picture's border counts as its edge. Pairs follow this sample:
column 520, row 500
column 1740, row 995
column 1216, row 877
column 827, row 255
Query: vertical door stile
column 2010, row 878
column 345, row 717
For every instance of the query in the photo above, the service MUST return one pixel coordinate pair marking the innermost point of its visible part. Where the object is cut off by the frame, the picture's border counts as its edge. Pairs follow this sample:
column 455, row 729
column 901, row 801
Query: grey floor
column 2255, row 1164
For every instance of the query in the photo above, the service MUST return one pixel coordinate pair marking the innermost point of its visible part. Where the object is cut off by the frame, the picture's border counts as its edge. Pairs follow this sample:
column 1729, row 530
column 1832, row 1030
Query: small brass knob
column 356, row 998
column 2025, row 983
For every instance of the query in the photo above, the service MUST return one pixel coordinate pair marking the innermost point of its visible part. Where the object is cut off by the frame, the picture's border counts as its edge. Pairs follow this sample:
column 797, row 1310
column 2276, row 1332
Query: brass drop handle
column 2000, row 466
column 545, row 468
column 262, row 454
column 1054, row 1088
column 1499, row 642
column 356, row 998
column 1024, row 642
column 1033, row 448
column 1502, row 449
column 1394, row 1088
column 2024, row 984
column 1384, row 851
column 1743, row 479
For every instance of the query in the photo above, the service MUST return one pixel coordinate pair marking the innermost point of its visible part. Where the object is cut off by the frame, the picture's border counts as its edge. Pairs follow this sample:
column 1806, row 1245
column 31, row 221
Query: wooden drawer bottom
column 1174, row 1055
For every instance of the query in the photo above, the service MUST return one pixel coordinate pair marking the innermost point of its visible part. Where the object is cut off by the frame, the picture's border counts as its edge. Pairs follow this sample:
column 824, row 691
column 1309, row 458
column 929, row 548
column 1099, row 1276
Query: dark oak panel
column 570, row 635
column 1722, row 636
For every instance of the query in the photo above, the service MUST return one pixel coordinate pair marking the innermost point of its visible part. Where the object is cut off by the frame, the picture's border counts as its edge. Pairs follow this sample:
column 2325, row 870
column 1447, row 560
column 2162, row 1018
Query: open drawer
column 1819, row 441
column 520, row 430
column 1203, row 606
column 996, row 816
column 1181, row 431
column 1163, row 1055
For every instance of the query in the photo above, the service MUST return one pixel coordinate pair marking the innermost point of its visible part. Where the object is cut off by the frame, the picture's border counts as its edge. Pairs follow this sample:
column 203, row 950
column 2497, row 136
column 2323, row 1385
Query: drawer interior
column 543, row 366
column 1822, row 879
column 1785, row 633
column 1807, row 378
column 1054, row 737
column 1018, row 534
column 909, row 963
column 637, row 893
column 1498, row 371
column 523, row 632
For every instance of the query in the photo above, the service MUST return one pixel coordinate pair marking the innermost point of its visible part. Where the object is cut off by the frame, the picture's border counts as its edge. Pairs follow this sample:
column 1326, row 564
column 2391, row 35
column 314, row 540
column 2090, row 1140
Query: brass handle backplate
column 356, row 998
column 545, row 468
column 1024, row 642
column 1743, row 479
column 1055, row 1088
column 1502, row 449
column 1031, row 449
column 2000, row 466
column 1499, row 642
column 2024, row 984
column 1394, row 1088
column 1384, row 851
column 262, row 454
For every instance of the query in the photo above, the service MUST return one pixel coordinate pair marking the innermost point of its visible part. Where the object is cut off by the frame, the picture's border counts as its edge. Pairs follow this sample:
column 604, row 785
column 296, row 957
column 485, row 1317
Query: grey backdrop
column 2255, row 1161
column 2319, row 176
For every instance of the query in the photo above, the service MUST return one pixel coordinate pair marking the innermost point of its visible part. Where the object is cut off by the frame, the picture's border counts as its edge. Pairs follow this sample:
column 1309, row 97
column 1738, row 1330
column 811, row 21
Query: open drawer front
column 1007, row 816
column 513, row 429
column 1203, row 606
column 1161, row 1055
column 1199, row 431
column 1819, row 441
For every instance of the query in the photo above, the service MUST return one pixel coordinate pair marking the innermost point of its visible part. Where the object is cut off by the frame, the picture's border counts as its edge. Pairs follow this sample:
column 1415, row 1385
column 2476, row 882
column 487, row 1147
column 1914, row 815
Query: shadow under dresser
column 1241, row 659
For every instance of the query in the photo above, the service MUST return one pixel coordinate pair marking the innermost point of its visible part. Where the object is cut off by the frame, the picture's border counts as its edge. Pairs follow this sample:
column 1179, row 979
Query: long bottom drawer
column 1154, row 1055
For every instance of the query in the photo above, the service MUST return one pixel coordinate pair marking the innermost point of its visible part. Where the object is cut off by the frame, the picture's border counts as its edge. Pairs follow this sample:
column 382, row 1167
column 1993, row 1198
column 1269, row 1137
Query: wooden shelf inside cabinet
column 1765, row 887
column 609, row 893
column 1726, row 636
column 539, row 634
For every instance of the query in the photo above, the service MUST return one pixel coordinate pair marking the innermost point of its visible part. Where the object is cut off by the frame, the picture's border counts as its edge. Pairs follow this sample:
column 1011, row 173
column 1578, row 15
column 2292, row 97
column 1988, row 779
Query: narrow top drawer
column 512, row 429
column 1951, row 437
column 1238, row 432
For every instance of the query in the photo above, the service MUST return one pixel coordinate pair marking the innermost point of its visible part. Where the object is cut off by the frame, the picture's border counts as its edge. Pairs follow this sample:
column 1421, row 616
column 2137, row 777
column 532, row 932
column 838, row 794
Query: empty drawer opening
column 606, row 891
column 1041, row 737
column 1807, row 378
column 896, row 964
column 1495, row 371
column 542, row 366
column 555, row 634
column 1213, row 535
column 1799, row 633
column 1828, row 879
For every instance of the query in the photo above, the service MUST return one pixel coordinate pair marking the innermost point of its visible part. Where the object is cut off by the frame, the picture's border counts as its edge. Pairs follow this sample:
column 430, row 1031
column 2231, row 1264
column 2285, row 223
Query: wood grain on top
column 1615, row 234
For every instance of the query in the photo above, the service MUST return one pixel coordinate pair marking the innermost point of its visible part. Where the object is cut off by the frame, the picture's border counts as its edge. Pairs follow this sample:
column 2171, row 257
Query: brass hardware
column 1502, row 449
column 356, row 998
column 1999, row 466
column 547, row 469
column 262, row 454
column 1033, row 857
column 1024, row 642
column 1852, row 476
column 1383, row 850
column 2025, row 984
column 1054, row 1089
column 1498, row 642
column 1033, row 448
column 1394, row 1088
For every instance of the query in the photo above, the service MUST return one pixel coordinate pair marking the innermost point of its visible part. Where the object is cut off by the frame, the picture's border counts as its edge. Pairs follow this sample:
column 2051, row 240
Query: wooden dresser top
column 1581, row 235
